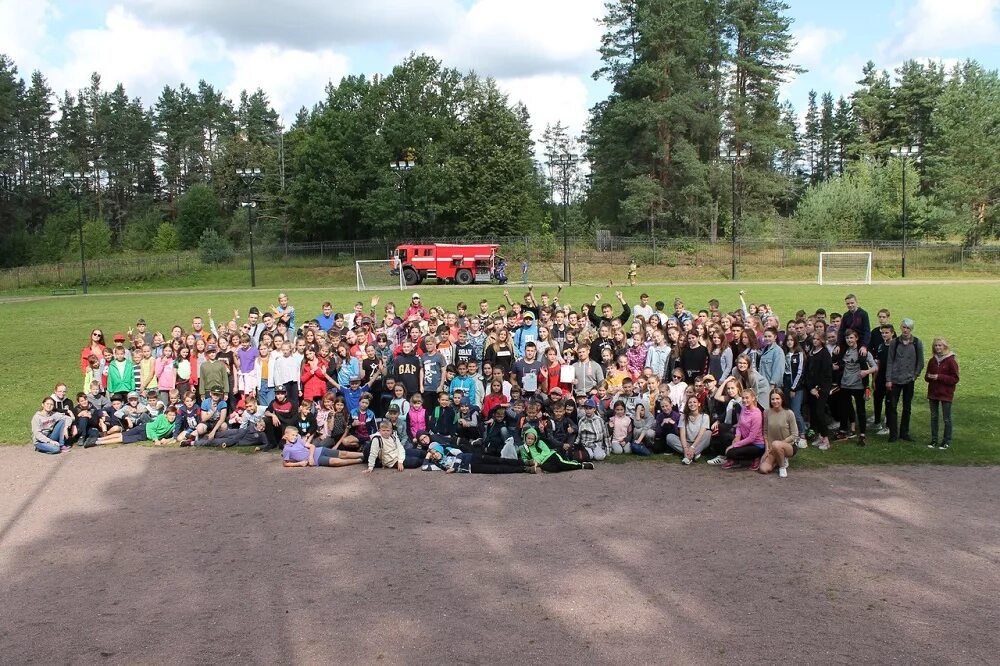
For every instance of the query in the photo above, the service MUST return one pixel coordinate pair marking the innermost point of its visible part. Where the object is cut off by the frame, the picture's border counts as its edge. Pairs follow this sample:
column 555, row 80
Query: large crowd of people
column 526, row 386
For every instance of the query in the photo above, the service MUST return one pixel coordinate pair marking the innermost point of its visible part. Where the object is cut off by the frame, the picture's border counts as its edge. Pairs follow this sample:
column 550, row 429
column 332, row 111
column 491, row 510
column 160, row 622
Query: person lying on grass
column 534, row 452
column 252, row 435
column 159, row 431
column 453, row 460
column 300, row 453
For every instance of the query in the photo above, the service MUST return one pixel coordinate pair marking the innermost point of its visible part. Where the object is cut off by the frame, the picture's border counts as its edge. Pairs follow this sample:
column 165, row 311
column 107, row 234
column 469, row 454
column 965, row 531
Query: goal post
column 845, row 268
column 375, row 274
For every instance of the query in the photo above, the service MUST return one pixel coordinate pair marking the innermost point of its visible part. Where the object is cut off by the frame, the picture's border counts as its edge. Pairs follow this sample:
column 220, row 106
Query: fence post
column 17, row 272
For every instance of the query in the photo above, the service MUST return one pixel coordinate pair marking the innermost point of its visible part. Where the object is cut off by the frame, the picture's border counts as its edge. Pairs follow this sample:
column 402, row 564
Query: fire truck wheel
column 410, row 276
column 463, row 276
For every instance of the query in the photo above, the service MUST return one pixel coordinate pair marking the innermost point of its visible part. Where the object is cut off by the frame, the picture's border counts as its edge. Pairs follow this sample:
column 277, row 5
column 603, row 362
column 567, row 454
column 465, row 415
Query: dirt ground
column 137, row 555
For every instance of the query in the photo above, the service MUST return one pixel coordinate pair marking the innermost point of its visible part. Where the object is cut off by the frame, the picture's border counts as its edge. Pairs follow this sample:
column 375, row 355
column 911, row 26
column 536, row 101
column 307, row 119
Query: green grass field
column 42, row 341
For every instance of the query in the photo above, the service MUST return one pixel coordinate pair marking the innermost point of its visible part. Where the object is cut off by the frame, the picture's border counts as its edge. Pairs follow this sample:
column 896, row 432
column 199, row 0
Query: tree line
column 690, row 76
column 687, row 77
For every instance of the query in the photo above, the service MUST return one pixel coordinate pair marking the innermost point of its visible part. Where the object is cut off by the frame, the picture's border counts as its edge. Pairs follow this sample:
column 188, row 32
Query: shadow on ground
column 139, row 555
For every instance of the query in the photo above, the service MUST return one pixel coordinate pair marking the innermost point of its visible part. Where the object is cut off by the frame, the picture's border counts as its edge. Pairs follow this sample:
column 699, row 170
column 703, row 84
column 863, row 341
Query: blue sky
column 541, row 51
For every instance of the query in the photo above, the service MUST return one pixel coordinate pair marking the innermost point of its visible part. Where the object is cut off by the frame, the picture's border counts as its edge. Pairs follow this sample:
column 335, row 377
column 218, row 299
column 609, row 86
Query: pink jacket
column 750, row 428
column 417, row 420
column 166, row 374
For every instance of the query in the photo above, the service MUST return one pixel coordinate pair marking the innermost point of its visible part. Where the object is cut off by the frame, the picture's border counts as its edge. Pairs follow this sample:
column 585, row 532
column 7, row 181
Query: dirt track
column 136, row 555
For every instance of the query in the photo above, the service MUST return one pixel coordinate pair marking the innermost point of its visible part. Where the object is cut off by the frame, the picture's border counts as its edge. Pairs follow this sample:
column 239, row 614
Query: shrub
column 213, row 249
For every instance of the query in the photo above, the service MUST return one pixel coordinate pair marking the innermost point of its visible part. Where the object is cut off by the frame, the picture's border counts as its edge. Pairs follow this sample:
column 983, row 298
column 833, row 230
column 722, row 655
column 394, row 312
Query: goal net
column 377, row 274
column 845, row 267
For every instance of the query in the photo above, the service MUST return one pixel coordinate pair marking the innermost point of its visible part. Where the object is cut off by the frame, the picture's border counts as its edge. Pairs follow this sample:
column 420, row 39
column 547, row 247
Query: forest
column 692, row 82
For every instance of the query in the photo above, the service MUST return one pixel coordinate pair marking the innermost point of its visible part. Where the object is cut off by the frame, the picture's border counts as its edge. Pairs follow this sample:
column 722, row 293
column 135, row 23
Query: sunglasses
column 96, row 335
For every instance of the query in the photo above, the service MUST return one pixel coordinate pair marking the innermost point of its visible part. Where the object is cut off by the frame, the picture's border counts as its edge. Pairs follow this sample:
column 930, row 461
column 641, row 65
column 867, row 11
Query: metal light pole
column 565, row 162
column 902, row 153
column 734, row 156
column 77, row 180
column 249, row 178
column 401, row 168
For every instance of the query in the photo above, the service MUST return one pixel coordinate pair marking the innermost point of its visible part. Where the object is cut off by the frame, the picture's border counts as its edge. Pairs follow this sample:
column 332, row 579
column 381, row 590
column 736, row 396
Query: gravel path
column 138, row 555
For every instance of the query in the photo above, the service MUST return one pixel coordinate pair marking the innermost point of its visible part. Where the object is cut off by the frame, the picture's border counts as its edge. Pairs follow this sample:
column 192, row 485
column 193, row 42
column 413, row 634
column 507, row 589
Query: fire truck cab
column 460, row 264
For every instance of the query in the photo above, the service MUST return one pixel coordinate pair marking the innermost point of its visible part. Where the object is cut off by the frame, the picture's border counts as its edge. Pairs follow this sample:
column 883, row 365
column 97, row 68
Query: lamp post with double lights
column 77, row 181
column 734, row 156
column 401, row 168
column 250, row 177
column 565, row 163
column 903, row 153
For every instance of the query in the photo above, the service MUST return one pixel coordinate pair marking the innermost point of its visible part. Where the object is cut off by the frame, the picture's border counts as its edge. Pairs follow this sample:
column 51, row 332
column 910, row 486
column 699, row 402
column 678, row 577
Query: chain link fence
column 591, row 259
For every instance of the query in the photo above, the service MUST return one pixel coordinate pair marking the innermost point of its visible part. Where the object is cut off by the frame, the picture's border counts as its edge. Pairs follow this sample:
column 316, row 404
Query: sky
column 542, row 52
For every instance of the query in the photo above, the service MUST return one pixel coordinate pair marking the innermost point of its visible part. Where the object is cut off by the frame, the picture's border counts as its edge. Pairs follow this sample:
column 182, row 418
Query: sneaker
column 882, row 431
column 944, row 447
column 801, row 443
column 932, row 445
column 755, row 465
column 728, row 464
column 587, row 465
column 64, row 448
column 697, row 457
column 532, row 468
column 824, row 445
column 784, row 465
column 90, row 442
column 717, row 460
column 841, row 436
column 685, row 460
column 862, row 441
column 782, row 472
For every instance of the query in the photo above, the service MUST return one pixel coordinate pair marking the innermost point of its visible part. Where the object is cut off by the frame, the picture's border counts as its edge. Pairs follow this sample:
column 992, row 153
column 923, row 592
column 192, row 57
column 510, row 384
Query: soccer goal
column 845, row 267
column 377, row 274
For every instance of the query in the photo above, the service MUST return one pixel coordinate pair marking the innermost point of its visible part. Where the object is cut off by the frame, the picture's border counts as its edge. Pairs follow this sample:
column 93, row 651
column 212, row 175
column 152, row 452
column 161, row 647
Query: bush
column 197, row 210
column 165, row 239
column 213, row 248
column 140, row 231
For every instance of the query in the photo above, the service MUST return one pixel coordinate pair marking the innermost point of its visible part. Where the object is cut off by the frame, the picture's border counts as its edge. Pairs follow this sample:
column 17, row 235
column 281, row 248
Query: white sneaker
column 784, row 465
column 685, row 460
column 801, row 443
column 782, row 473
column 717, row 460
column 882, row 431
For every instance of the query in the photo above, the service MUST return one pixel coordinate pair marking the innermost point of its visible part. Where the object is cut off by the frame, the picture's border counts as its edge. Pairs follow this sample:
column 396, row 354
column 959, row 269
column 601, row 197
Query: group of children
column 528, row 386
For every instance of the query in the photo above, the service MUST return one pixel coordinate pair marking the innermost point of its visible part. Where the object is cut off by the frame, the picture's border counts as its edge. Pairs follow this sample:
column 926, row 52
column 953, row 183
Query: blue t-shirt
column 433, row 367
column 206, row 406
column 325, row 323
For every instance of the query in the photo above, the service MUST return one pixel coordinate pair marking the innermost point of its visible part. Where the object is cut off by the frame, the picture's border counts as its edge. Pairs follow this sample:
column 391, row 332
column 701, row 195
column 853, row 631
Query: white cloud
column 939, row 25
column 307, row 24
column 292, row 78
column 550, row 98
column 126, row 51
column 24, row 33
column 522, row 38
column 811, row 45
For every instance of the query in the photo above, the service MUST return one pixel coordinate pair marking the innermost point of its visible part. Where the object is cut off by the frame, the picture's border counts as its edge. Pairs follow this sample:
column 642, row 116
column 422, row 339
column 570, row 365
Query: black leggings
column 853, row 403
column 556, row 464
column 817, row 414
column 483, row 464
column 745, row 452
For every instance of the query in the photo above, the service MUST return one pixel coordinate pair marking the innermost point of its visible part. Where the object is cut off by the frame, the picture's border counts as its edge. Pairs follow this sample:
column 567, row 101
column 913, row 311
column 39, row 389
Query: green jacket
column 121, row 383
column 538, row 452
column 159, row 428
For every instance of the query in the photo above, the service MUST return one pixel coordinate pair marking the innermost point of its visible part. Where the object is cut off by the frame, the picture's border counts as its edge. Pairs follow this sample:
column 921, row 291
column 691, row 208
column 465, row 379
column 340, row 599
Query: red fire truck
column 461, row 264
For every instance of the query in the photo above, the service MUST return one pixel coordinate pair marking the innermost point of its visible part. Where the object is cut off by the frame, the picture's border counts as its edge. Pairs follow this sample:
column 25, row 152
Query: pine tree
column 811, row 139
